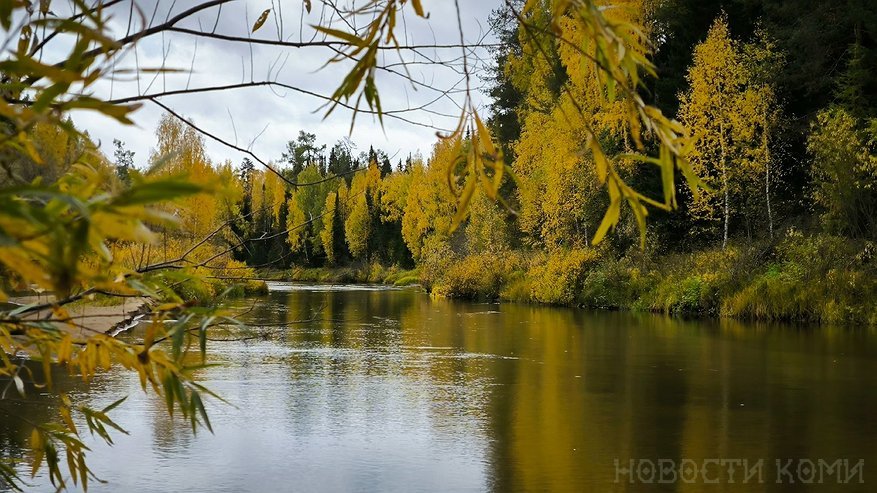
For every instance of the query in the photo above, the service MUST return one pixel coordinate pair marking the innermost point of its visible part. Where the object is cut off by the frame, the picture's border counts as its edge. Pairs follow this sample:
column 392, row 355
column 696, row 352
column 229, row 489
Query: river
column 378, row 389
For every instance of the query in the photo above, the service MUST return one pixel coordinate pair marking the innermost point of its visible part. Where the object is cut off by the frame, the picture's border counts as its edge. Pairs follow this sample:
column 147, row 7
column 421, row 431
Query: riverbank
column 373, row 273
column 819, row 278
column 102, row 314
column 806, row 278
column 91, row 317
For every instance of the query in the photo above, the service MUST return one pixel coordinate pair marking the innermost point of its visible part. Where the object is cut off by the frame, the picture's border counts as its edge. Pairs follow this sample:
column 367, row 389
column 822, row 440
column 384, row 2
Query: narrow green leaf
column 156, row 191
column 114, row 405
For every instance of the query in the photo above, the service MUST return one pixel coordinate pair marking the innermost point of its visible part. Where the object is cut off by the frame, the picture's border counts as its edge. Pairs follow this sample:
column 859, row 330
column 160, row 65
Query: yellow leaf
column 610, row 219
column 262, row 19
column 345, row 36
column 599, row 159
column 68, row 420
column 65, row 349
column 418, row 8
column 37, row 446
column 463, row 204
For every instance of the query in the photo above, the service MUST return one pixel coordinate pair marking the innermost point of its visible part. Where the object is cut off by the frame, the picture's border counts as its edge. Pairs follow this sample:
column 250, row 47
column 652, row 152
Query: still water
column 375, row 389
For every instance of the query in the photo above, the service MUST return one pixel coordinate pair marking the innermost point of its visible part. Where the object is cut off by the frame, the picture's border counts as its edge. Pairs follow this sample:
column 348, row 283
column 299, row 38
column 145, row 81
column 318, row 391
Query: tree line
column 778, row 138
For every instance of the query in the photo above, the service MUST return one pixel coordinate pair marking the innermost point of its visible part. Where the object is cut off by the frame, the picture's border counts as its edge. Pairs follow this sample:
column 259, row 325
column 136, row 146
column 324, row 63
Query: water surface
column 374, row 389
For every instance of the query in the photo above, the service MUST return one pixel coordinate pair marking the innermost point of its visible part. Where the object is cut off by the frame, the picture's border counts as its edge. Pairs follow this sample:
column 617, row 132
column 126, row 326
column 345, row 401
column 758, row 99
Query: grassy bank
column 821, row 279
column 818, row 278
column 205, row 290
column 373, row 273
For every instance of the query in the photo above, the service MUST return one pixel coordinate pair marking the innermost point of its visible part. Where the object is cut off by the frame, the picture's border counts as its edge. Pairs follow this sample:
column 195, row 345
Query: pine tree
column 124, row 161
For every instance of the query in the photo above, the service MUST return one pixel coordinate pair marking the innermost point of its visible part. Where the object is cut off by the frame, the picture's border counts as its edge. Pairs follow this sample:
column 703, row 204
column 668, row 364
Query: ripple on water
column 322, row 288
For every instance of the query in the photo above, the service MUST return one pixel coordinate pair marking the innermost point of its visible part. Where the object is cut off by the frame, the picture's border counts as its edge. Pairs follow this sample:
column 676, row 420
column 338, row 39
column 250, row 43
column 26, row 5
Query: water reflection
column 387, row 390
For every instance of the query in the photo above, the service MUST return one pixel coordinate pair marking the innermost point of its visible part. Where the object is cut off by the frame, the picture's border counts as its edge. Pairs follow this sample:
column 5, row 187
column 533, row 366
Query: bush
column 436, row 259
column 517, row 288
column 408, row 280
column 618, row 283
column 815, row 278
column 194, row 289
column 557, row 277
column 477, row 276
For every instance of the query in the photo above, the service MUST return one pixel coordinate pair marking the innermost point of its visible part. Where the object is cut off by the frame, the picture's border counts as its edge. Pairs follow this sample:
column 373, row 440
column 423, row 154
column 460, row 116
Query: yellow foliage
column 487, row 230
column 559, row 193
column 327, row 233
column 394, row 196
column 732, row 110
column 556, row 278
column 295, row 225
column 274, row 190
column 430, row 205
column 364, row 202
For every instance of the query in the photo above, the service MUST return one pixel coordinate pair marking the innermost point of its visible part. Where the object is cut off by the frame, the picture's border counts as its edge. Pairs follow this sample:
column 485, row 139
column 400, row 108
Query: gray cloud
column 282, row 111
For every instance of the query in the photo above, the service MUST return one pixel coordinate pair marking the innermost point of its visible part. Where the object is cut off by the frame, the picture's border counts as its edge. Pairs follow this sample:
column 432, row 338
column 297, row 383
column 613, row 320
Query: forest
column 784, row 135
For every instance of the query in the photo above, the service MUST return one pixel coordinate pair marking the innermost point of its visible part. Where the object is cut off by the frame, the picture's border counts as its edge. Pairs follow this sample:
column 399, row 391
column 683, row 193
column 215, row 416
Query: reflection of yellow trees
column 552, row 416
column 650, row 388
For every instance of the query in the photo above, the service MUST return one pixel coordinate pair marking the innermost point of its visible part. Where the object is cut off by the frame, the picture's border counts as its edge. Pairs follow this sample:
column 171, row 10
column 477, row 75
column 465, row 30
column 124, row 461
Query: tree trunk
column 724, row 184
column 767, row 198
column 767, row 160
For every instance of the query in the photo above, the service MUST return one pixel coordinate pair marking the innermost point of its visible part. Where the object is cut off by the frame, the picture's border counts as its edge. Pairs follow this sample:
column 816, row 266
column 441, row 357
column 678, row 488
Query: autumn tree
column 488, row 228
column 716, row 81
column 430, row 204
column 327, row 233
column 304, row 221
column 124, row 161
column 758, row 123
column 732, row 107
column 180, row 152
column 364, row 213
column 394, row 199
column 564, row 114
column 303, row 152
column 844, row 169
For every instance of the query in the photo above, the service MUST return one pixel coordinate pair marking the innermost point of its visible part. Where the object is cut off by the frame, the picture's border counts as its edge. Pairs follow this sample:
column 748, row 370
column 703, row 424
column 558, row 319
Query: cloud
column 276, row 115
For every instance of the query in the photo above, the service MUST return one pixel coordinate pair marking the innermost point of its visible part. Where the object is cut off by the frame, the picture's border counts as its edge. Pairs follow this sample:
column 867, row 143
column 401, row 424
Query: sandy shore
column 90, row 319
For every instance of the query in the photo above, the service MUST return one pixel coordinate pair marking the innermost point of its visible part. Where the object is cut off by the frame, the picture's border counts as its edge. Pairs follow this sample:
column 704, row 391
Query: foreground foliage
column 75, row 228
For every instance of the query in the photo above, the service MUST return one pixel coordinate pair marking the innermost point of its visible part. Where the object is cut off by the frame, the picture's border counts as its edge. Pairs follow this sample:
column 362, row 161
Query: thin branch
column 151, row 97
column 244, row 151
column 312, row 44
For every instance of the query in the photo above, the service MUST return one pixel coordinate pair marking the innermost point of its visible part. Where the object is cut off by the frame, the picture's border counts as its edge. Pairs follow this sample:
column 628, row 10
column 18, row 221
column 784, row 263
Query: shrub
column 435, row 260
column 517, row 288
column 557, row 277
column 195, row 290
column 816, row 278
column 408, row 280
column 477, row 276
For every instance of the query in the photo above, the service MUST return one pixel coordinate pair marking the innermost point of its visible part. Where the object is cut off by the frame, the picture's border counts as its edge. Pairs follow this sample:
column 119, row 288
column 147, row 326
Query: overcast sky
column 273, row 117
